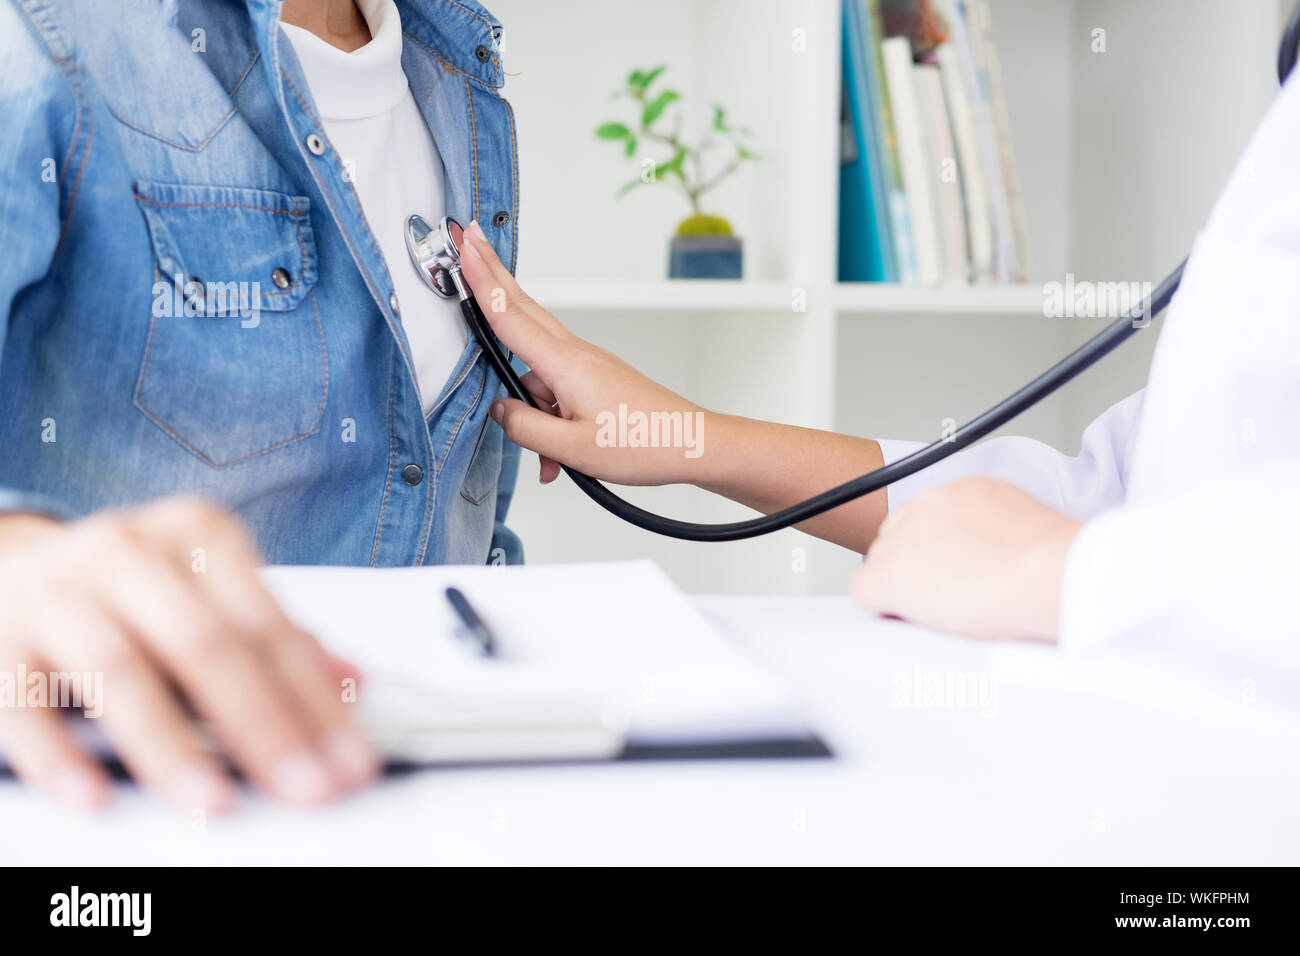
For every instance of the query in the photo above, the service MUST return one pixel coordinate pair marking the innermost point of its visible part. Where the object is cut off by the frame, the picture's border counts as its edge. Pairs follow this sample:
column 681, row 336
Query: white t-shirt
column 374, row 123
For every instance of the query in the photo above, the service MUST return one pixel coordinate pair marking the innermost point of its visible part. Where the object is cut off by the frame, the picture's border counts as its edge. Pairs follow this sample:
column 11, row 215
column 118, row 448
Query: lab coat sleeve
column 1209, row 571
column 1080, row 486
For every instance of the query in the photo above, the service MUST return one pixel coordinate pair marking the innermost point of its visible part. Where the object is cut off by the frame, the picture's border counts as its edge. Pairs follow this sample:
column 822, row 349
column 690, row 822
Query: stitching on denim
column 154, row 417
column 248, row 68
column 392, row 463
column 463, row 415
column 196, row 148
column 460, row 377
column 473, row 138
column 514, row 167
column 514, row 146
column 478, row 448
column 447, row 63
column 43, row 21
column 74, row 191
column 218, row 205
column 324, row 361
column 430, row 499
column 298, row 219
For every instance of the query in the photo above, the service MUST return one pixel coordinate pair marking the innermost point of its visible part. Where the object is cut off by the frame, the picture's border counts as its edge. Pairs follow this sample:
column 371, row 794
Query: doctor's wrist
column 721, row 461
column 1042, row 575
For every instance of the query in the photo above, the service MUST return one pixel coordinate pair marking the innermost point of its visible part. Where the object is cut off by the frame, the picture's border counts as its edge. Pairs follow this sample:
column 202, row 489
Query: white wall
column 1160, row 117
column 565, row 60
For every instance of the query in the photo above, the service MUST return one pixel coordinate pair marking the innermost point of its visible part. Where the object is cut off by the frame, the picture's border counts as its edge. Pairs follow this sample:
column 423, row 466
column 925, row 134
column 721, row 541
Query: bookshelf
column 1119, row 157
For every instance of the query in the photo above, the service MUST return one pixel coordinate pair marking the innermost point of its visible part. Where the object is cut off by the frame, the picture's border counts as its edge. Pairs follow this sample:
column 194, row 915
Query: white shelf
column 661, row 295
column 694, row 295
column 888, row 299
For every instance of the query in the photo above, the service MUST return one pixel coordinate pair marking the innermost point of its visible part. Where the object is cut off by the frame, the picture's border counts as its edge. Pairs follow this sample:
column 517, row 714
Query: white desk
column 1101, row 761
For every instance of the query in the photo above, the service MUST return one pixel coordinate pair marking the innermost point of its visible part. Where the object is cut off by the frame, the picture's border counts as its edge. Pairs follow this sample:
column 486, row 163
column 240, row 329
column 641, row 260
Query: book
column 974, row 178
column 904, row 250
column 919, row 179
column 866, row 234
column 945, row 174
column 975, row 82
column 982, row 18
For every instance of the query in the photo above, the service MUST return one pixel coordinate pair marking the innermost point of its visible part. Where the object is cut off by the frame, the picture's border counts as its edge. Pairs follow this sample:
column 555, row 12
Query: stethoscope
column 436, row 254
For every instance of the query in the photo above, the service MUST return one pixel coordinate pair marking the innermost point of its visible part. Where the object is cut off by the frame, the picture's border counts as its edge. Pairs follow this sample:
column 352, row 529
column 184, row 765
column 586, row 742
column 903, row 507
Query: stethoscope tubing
column 1004, row 411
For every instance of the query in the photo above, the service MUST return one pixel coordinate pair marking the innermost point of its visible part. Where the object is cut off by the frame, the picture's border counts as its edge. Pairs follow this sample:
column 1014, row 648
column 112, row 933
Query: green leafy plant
column 686, row 167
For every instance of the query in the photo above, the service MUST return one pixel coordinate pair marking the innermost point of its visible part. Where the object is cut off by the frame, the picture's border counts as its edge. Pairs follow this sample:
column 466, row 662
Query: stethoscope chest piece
column 435, row 252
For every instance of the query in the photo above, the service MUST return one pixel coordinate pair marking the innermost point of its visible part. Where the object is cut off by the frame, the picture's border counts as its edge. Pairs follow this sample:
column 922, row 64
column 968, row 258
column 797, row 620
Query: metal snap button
column 392, row 303
column 483, row 53
column 413, row 474
column 281, row 278
column 501, row 219
column 316, row 144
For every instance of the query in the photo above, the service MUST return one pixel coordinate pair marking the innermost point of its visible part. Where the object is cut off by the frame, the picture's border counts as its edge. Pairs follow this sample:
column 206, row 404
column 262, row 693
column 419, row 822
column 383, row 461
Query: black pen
column 474, row 625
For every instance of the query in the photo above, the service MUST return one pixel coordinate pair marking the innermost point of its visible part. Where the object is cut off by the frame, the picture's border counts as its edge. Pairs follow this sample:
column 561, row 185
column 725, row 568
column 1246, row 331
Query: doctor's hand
column 157, row 642
column 976, row 557
column 587, row 395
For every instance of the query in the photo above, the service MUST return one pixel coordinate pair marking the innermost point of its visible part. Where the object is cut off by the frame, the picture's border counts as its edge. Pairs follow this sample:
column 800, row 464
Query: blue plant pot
column 706, row 257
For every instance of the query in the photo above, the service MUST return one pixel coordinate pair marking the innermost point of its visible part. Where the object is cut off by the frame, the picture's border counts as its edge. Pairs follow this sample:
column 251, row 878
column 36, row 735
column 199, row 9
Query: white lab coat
column 1190, row 486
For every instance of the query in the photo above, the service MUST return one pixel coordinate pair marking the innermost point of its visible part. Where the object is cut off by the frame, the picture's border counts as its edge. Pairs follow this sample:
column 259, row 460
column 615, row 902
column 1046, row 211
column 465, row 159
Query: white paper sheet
column 615, row 642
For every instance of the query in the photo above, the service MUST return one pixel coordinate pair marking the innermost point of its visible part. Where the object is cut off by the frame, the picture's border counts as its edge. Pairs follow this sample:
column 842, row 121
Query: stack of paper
column 594, row 659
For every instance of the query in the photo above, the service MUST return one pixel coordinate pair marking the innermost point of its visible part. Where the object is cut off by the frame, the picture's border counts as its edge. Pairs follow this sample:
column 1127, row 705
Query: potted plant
column 705, row 247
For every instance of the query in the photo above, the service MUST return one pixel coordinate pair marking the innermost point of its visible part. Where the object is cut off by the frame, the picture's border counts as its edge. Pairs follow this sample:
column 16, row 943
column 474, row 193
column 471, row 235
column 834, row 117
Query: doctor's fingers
column 549, row 435
column 538, row 388
column 878, row 585
column 550, row 468
column 502, row 288
column 520, row 332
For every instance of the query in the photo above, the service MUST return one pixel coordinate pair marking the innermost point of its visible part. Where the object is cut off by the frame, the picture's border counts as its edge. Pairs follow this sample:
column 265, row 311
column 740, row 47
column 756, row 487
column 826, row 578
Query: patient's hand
column 160, row 607
column 592, row 400
column 977, row 557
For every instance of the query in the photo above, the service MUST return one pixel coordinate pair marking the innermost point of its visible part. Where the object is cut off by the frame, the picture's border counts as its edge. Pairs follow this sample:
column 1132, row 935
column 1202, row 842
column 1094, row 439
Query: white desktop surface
column 1053, row 769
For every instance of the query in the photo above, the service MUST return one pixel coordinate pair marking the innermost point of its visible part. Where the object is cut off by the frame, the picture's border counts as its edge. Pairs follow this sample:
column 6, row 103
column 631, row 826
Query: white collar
column 366, row 82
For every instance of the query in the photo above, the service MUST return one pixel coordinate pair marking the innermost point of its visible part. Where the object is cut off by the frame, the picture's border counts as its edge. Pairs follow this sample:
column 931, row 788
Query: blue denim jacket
column 190, row 297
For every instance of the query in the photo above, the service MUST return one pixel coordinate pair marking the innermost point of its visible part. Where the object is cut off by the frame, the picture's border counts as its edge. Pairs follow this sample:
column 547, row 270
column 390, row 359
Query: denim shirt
column 191, row 299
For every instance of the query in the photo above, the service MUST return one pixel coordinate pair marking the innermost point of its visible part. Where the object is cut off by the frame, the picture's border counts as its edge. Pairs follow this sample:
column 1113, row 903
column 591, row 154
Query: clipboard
column 598, row 662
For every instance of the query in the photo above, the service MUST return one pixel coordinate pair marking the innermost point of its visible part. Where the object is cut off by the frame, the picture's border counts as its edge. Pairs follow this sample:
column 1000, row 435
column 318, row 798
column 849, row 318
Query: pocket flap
column 251, row 248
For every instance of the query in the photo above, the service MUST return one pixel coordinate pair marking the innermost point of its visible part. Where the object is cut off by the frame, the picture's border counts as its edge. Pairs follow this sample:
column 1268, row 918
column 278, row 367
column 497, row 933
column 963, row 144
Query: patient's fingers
column 39, row 747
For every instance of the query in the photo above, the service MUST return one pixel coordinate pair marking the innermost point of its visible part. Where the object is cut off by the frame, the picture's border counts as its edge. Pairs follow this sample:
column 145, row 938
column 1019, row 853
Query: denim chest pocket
column 485, row 465
column 235, row 363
